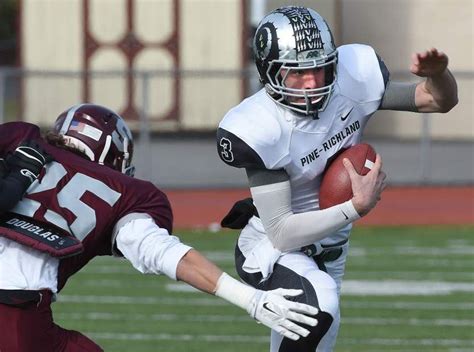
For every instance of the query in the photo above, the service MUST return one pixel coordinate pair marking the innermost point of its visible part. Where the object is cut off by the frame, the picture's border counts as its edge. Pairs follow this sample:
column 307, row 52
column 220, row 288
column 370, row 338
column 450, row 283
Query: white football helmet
column 100, row 133
column 295, row 38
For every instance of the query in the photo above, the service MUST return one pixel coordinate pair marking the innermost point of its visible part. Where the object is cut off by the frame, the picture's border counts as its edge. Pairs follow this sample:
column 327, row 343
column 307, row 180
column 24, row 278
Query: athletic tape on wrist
column 237, row 293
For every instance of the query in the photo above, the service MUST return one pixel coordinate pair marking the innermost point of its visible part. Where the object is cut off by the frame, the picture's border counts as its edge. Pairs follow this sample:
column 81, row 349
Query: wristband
column 236, row 293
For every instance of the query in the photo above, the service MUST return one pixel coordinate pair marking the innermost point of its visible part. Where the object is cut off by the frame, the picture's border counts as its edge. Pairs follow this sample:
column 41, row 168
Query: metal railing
column 12, row 98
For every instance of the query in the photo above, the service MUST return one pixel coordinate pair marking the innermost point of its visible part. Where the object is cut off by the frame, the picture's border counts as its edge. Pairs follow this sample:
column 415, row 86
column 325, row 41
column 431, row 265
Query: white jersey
column 259, row 133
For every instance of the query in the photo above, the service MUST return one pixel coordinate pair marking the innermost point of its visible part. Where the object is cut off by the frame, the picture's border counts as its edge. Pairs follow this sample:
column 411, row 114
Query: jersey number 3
column 226, row 150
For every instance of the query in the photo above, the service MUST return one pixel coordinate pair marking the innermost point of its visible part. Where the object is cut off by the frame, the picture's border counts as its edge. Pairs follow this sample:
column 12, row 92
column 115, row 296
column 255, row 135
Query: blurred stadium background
column 172, row 68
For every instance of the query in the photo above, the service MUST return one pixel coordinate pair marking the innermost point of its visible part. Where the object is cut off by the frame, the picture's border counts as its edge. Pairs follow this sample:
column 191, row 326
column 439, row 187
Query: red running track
column 399, row 206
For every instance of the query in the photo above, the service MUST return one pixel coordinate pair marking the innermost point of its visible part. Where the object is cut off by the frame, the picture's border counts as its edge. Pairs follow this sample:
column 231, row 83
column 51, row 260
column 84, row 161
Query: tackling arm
column 269, row 307
column 152, row 250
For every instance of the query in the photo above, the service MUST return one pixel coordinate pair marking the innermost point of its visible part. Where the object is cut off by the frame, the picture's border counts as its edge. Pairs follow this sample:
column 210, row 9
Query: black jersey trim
column 235, row 152
column 384, row 70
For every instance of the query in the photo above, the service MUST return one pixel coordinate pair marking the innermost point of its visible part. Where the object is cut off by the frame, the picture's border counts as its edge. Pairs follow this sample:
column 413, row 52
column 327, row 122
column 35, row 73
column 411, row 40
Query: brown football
column 336, row 185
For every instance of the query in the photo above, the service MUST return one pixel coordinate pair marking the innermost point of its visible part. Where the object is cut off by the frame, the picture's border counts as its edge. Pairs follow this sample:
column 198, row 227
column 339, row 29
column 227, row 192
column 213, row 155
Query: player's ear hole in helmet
column 98, row 133
column 290, row 39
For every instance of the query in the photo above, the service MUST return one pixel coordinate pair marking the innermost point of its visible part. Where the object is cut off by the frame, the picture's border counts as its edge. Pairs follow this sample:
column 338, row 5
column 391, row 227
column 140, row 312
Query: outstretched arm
column 438, row 93
column 152, row 249
column 269, row 307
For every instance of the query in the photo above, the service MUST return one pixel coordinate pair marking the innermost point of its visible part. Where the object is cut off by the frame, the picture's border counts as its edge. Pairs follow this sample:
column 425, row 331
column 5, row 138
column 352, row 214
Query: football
column 336, row 185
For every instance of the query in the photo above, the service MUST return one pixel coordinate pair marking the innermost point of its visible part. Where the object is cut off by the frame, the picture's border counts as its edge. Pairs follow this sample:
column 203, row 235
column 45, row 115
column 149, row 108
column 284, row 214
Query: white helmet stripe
column 108, row 142
column 68, row 119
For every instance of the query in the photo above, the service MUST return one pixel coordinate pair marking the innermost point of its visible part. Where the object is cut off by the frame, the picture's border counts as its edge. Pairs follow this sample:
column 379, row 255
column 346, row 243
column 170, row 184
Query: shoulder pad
column 256, row 132
column 362, row 76
column 235, row 152
column 13, row 133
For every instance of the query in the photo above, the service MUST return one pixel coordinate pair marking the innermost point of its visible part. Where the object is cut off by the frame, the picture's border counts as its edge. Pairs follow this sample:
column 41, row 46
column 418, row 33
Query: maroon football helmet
column 100, row 133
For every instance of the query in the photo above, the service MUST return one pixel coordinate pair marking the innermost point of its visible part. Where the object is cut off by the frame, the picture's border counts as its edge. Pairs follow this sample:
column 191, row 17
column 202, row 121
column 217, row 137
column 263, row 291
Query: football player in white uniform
column 316, row 101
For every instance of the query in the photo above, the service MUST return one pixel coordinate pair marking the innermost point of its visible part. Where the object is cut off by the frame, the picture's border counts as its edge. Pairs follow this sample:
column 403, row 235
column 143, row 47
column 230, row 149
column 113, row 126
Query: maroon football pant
column 31, row 328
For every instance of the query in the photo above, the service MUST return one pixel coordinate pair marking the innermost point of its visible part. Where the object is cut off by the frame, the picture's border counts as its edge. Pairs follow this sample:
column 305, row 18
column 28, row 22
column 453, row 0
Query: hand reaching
column 429, row 63
column 366, row 189
column 272, row 309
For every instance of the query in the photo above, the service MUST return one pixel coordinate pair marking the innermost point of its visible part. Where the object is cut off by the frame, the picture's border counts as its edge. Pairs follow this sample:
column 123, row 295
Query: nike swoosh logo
column 347, row 218
column 265, row 305
column 344, row 116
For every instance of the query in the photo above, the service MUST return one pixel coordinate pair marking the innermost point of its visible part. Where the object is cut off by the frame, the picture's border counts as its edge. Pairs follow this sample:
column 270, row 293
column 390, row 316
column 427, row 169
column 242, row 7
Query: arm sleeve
column 399, row 96
column 288, row 231
column 150, row 248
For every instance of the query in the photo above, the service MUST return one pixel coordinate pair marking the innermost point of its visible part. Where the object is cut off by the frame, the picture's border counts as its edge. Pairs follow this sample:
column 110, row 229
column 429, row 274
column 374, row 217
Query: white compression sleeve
column 288, row 231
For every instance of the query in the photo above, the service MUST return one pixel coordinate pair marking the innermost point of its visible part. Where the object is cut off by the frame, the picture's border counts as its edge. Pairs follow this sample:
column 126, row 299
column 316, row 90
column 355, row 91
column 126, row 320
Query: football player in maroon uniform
column 86, row 204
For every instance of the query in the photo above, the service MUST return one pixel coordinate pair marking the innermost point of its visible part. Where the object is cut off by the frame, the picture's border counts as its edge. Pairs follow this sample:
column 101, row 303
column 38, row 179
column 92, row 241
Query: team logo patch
column 27, row 173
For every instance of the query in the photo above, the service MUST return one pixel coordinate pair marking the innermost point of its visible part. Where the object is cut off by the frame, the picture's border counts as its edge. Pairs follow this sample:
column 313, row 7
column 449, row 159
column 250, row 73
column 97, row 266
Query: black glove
column 240, row 214
column 27, row 161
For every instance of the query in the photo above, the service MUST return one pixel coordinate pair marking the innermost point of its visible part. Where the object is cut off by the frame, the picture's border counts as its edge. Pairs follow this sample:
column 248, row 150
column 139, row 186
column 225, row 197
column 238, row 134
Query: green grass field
column 405, row 289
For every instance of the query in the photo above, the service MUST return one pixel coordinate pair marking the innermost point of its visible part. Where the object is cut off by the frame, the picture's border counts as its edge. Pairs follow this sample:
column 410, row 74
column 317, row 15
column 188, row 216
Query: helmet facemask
column 315, row 99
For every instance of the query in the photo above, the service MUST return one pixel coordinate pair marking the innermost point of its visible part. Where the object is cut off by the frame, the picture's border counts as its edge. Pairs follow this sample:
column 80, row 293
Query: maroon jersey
column 82, row 197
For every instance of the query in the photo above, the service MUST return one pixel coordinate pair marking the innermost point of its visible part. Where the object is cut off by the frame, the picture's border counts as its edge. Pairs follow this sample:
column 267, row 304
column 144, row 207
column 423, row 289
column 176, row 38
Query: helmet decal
column 266, row 46
column 306, row 31
column 64, row 127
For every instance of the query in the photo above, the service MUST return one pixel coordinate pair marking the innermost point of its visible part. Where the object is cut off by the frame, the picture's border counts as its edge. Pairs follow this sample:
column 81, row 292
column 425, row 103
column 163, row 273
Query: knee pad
column 319, row 290
column 325, row 290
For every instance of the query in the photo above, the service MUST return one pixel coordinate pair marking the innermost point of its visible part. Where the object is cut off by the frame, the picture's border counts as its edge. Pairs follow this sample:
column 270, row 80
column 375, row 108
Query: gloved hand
column 27, row 161
column 272, row 309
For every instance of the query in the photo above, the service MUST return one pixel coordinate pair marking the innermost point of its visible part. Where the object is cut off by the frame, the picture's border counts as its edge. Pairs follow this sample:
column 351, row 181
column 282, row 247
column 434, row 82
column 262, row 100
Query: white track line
column 94, row 316
column 213, row 301
column 407, row 342
column 379, row 288
column 401, row 287
column 176, row 337
column 264, row 339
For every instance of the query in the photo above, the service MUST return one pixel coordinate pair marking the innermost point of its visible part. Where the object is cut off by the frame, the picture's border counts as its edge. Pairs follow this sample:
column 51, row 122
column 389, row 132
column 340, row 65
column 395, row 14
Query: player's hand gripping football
column 366, row 189
column 27, row 161
column 272, row 309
